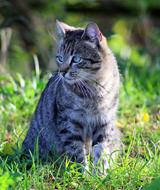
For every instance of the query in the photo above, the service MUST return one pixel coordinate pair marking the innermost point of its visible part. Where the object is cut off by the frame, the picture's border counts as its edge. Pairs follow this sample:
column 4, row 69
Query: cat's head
column 81, row 53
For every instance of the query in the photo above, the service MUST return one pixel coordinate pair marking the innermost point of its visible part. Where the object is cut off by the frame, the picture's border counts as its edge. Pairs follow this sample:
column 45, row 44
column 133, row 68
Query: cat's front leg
column 106, row 145
column 74, row 150
column 72, row 142
column 101, row 157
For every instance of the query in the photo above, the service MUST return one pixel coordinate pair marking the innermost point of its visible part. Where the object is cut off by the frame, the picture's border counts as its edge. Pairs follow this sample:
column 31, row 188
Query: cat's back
column 42, row 123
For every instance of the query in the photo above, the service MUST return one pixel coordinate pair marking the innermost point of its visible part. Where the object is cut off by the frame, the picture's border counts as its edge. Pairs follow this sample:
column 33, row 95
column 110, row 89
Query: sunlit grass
column 138, row 119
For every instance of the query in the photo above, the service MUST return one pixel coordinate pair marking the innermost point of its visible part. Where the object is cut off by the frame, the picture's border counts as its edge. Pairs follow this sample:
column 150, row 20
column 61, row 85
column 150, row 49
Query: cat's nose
column 64, row 69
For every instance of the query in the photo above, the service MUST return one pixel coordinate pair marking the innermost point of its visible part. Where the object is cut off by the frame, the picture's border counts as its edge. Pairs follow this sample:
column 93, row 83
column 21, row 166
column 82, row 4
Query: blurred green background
column 132, row 29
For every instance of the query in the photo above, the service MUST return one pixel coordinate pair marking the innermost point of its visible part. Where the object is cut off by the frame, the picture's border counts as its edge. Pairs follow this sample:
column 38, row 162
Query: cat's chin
column 70, row 81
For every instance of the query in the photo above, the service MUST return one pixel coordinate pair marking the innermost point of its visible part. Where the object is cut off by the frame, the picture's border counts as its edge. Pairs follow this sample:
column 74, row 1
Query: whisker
column 76, row 84
column 87, row 89
column 57, row 79
column 97, row 83
column 82, row 89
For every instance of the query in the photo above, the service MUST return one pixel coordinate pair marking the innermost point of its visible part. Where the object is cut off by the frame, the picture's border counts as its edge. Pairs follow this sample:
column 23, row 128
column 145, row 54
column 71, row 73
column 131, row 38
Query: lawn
column 138, row 118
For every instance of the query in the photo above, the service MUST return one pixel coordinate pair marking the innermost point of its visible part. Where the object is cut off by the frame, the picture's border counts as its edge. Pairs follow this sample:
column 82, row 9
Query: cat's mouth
column 70, row 77
column 80, row 85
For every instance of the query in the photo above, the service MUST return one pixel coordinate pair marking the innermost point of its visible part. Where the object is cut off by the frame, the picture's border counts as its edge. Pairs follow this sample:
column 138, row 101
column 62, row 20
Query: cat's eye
column 76, row 59
column 59, row 59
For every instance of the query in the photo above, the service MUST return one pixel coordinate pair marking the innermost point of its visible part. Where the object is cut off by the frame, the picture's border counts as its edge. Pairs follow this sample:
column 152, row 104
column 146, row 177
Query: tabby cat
column 77, row 109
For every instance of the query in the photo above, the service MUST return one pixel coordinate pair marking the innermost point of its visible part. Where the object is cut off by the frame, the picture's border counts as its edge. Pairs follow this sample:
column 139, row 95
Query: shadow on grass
column 154, row 185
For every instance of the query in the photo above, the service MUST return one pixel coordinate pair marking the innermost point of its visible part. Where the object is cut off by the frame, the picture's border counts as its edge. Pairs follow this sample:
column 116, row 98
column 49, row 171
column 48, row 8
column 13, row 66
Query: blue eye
column 59, row 59
column 77, row 59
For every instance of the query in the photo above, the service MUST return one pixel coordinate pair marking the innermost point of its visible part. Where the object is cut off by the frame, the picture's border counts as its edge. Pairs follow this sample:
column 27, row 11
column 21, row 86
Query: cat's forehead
column 73, row 35
column 73, row 40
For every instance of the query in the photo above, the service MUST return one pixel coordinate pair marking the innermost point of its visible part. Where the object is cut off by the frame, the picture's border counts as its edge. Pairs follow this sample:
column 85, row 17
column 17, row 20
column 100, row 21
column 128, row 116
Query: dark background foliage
column 26, row 30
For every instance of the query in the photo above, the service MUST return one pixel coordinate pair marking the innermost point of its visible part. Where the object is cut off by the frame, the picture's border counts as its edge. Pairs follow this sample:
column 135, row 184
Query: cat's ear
column 62, row 28
column 92, row 33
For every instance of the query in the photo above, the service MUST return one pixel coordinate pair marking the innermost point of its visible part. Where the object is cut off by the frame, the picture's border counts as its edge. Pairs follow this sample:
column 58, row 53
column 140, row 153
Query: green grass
column 138, row 118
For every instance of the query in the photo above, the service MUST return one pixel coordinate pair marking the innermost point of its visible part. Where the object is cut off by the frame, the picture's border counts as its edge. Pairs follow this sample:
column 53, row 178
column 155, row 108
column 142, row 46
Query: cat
column 76, row 112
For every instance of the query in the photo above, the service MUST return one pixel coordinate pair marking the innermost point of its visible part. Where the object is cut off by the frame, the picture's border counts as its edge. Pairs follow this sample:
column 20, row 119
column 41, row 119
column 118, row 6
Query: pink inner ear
column 94, row 32
column 100, row 36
